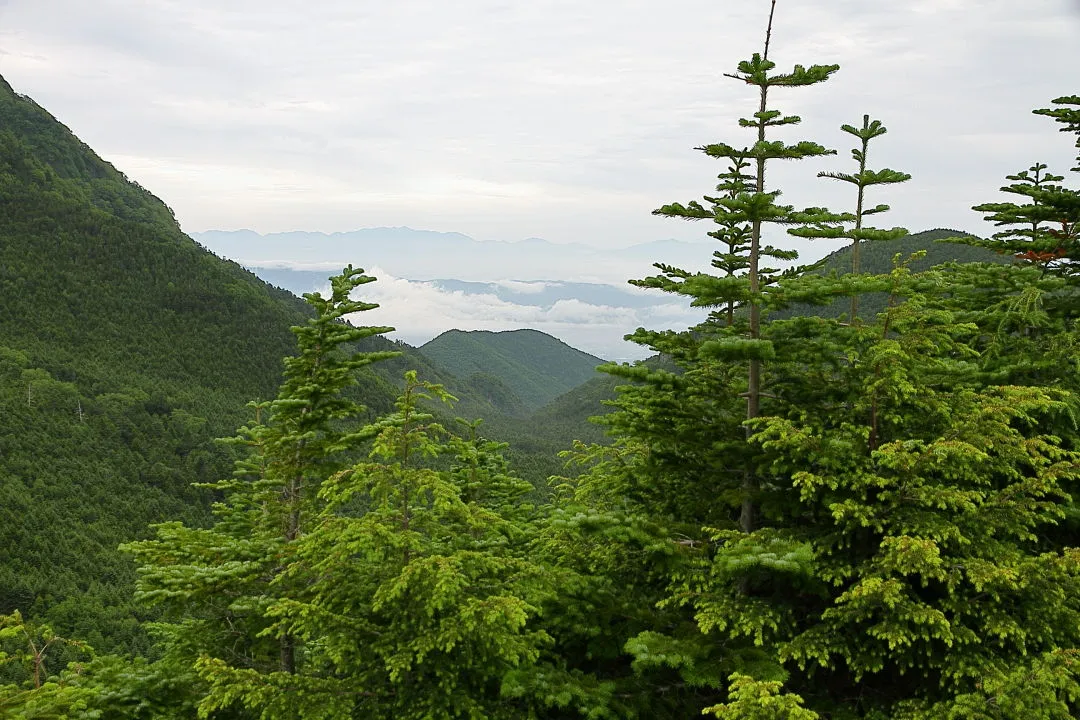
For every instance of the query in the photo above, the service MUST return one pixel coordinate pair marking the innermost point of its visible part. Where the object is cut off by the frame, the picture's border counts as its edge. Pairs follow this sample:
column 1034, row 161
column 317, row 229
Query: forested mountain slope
column 877, row 257
column 125, row 348
column 101, row 287
column 535, row 366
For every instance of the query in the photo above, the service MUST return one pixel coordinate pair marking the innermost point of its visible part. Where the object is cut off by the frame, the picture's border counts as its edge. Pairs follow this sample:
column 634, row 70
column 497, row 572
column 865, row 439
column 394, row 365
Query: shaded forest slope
column 125, row 348
column 532, row 365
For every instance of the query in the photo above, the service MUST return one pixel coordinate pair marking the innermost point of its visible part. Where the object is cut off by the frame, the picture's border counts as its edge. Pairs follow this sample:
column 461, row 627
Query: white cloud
column 523, row 288
column 419, row 311
column 565, row 120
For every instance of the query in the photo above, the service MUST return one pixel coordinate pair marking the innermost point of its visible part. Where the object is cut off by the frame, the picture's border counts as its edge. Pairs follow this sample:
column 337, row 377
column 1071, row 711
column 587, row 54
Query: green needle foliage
column 797, row 517
column 863, row 179
column 413, row 601
column 890, row 552
column 1030, row 232
column 1067, row 113
column 921, row 502
column 218, row 583
column 27, row 647
column 742, row 213
column 1045, row 230
column 335, row 588
column 760, row 700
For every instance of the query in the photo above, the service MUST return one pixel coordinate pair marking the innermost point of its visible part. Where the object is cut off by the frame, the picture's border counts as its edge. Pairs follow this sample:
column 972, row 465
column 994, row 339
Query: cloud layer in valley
column 421, row 310
column 590, row 316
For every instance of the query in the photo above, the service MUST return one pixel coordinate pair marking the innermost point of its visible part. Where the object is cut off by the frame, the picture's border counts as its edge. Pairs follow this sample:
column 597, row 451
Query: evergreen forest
column 851, row 493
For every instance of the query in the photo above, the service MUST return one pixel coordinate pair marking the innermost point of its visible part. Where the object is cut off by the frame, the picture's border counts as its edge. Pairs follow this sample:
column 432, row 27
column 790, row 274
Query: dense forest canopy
column 848, row 493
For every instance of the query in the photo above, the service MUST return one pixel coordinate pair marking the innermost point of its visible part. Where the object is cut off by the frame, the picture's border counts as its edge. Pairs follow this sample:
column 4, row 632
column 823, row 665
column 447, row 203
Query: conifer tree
column 411, row 601
column 218, row 583
column 862, row 179
column 682, row 425
column 921, row 500
column 743, row 213
column 25, row 654
column 332, row 587
column 1028, row 310
column 898, row 498
column 1029, row 232
column 905, row 560
column 1045, row 230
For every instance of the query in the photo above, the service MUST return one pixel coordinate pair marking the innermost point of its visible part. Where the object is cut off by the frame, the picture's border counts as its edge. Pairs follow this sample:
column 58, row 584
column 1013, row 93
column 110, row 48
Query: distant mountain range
column 431, row 282
column 535, row 293
column 428, row 255
column 590, row 316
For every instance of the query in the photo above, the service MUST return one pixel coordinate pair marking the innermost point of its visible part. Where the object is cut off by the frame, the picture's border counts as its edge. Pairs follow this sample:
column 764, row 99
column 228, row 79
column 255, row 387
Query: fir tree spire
column 747, row 208
column 862, row 179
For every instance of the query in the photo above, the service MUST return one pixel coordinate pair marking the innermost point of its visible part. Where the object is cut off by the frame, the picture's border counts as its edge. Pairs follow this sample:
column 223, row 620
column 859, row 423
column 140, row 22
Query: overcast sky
column 560, row 119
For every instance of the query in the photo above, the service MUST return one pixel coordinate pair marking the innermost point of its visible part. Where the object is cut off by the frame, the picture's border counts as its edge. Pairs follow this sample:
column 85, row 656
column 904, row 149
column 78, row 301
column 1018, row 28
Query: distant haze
column 425, row 255
column 430, row 282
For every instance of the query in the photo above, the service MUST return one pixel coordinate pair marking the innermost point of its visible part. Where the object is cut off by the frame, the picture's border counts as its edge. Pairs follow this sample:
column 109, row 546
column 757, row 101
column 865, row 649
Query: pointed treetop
column 1067, row 116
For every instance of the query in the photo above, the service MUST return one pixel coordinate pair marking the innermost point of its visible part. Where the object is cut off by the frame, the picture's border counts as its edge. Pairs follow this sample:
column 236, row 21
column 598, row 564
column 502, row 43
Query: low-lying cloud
column 421, row 310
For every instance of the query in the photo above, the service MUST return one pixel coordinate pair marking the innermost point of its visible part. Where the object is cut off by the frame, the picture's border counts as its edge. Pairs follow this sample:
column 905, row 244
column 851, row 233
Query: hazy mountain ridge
column 591, row 316
column 429, row 255
column 536, row 293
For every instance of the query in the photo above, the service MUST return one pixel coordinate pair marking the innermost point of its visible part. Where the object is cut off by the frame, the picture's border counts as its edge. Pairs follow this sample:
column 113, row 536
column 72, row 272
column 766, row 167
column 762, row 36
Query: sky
column 559, row 119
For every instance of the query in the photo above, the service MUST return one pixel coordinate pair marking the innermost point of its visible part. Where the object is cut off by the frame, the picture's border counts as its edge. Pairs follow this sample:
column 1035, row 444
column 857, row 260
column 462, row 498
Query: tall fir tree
column 411, row 601
column 1045, row 230
column 218, row 583
column 743, row 213
column 888, row 552
column 681, row 426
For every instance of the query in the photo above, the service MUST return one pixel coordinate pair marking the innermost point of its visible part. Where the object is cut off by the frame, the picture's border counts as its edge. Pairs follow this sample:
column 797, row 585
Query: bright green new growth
column 25, row 647
column 333, row 587
column 760, row 700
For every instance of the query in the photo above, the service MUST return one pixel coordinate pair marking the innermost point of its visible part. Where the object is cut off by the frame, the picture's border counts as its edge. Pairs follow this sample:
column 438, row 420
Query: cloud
column 565, row 120
column 420, row 310
column 524, row 288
